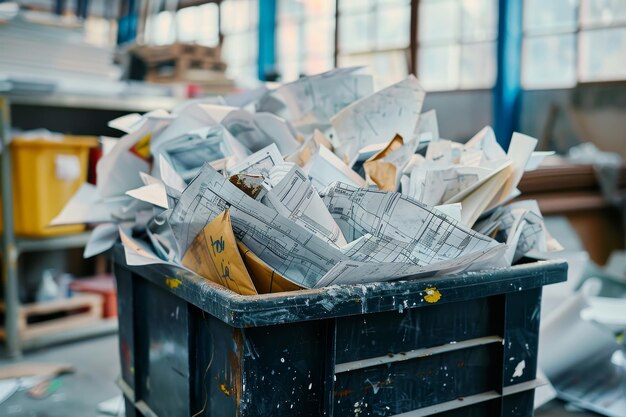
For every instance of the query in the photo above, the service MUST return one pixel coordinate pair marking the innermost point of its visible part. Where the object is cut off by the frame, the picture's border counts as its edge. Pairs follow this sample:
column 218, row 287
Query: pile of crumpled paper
column 320, row 181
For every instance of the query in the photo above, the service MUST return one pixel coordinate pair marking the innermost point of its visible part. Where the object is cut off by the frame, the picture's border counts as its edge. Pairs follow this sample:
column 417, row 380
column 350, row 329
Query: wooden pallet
column 56, row 316
column 155, row 54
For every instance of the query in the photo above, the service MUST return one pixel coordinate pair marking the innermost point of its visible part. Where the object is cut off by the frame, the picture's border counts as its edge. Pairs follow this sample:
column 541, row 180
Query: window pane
column 289, row 10
column 549, row 62
column 238, row 15
column 316, row 66
column 603, row 54
column 209, row 31
column 386, row 67
column 603, row 12
column 186, row 24
column 289, row 38
column 253, row 13
column 240, row 48
column 289, row 70
column 439, row 21
column 320, row 38
column 478, row 65
column 393, row 27
column 354, row 33
column 438, row 67
column 480, row 20
column 100, row 31
column 550, row 16
column 162, row 29
column 318, row 7
column 350, row 6
column 385, row 2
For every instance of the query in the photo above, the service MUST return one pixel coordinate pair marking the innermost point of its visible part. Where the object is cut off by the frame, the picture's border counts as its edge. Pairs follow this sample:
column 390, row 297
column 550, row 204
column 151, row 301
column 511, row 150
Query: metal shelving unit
column 13, row 247
column 10, row 253
column 73, row 241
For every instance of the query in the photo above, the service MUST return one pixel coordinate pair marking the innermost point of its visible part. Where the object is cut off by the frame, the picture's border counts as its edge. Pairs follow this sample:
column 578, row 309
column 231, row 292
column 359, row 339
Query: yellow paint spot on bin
column 432, row 295
column 224, row 389
column 173, row 283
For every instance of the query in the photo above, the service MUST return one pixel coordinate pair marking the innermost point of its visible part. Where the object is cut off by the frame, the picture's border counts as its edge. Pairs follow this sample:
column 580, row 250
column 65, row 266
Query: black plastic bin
column 463, row 345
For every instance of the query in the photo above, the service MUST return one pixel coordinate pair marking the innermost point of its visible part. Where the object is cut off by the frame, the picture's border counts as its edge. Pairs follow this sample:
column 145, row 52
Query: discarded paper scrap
column 214, row 255
column 266, row 280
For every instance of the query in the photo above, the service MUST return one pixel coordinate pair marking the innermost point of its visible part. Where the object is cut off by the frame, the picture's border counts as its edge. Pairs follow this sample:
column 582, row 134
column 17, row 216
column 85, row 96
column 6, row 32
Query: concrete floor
column 97, row 368
column 96, row 363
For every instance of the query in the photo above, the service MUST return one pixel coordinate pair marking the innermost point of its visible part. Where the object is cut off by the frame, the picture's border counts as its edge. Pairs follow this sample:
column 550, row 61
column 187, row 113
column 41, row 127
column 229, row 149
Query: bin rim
column 342, row 300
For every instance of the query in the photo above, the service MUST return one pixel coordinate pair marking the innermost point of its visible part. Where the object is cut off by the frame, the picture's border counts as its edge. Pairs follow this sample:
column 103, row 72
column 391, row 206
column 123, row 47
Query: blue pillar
column 127, row 22
column 267, row 37
column 59, row 7
column 509, row 60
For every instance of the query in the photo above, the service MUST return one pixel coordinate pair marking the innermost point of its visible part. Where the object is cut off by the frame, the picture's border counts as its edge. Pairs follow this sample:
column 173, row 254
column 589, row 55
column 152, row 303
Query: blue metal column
column 59, row 7
column 127, row 22
column 509, row 60
column 267, row 37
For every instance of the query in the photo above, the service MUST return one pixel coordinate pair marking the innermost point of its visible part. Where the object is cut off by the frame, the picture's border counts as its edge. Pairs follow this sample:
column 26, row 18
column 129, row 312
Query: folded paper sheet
column 295, row 198
column 381, row 172
column 214, row 255
column 291, row 250
column 259, row 163
column 266, row 280
column 376, row 119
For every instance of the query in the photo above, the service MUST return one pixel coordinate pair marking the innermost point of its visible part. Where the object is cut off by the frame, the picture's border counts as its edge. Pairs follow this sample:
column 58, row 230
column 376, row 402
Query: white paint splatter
column 519, row 369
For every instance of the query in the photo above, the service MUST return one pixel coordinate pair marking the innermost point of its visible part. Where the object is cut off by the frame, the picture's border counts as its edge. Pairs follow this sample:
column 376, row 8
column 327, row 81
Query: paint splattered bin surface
column 461, row 345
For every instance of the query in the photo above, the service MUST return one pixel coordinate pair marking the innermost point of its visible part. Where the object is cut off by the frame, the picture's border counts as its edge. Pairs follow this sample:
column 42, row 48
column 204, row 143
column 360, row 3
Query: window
column 376, row 34
column 602, row 40
column 199, row 24
column 571, row 41
column 457, row 44
column 240, row 22
column 305, row 37
column 100, row 31
column 160, row 29
column 191, row 24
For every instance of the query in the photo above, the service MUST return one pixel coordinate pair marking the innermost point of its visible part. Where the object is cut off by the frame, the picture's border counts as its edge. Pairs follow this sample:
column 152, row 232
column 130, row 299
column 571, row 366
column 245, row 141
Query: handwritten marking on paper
column 173, row 283
column 217, row 245
column 225, row 271
column 215, row 256
column 432, row 295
